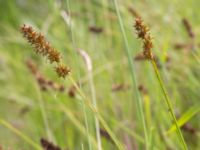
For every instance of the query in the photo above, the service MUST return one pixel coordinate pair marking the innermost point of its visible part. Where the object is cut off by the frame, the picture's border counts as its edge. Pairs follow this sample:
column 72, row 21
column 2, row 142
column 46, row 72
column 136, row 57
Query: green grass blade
column 20, row 134
column 169, row 104
column 131, row 65
column 185, row 118
column 97, row 114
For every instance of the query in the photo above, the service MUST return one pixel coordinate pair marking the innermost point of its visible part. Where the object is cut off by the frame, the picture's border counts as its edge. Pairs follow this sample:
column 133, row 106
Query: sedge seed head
column 142, row 32
column 42, row 47
column 40, row 44
column 62, row 70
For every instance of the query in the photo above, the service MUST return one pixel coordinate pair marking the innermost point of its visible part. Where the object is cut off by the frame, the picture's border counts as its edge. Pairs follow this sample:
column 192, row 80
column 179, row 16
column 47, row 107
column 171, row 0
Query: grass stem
column 20, row 134
column 131, row 65
column 97, row 114
column 95, row 105
column 169, row 104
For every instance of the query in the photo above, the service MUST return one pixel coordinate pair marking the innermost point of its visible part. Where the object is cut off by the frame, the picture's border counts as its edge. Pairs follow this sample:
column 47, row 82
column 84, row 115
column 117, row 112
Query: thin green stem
column 20, row 134
column 169, row 104
column 94, row 101
column 97, row 114
column 78, row 124
column 88, row 63
column 86, row 125
column 76, row 61
column 44, row 116
column 131, row 65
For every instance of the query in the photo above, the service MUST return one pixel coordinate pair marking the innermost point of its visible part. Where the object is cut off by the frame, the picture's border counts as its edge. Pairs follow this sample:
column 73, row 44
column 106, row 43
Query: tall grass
column 132, row 70
column 170, row 108
column 96, row 116
column 20, row 134
column 144, row 35
column 70, row 24
column 91, row 86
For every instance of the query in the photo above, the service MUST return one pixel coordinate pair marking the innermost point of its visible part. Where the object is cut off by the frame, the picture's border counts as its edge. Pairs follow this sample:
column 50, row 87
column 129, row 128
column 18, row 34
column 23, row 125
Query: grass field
column 113, row 98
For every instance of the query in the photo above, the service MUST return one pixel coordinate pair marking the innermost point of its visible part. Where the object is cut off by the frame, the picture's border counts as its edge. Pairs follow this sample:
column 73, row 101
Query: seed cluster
column 62, row 70
column 188, row 28
column 46, row 84
column 190, row 44
column 41, row 46
column 46, row 145
column 143, row 34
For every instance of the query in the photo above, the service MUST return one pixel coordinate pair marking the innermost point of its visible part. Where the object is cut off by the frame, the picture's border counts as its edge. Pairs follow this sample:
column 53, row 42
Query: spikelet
column 42, row 46
column 62, row 70
column 54, row 56
column 142, row 32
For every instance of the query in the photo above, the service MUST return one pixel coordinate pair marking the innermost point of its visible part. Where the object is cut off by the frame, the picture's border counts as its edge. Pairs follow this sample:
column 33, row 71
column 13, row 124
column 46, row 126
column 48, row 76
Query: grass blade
column 128, row 52
column 20, row 134
column 169, row 104
column 185, row 118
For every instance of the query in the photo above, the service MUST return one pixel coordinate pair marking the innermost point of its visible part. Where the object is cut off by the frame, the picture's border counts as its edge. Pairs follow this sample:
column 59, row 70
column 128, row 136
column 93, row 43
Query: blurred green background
column 93, row 26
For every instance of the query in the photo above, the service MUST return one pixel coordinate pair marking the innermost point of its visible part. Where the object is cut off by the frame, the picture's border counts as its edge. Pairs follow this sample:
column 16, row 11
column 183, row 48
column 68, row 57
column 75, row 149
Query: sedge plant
column 142, row 32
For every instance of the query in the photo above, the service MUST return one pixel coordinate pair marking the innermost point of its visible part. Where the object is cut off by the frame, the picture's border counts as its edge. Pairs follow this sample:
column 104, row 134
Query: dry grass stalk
column 133, row 11
column 187, row 45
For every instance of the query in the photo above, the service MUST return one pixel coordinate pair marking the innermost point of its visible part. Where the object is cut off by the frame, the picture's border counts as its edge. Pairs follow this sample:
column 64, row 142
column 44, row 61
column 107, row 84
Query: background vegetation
column 62, row 116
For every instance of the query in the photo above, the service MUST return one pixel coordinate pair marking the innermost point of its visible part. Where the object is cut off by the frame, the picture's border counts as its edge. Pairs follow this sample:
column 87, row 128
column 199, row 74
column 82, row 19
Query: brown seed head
column 142, row 89
column 32, row 67
column 41, row 46
column 54, row 56
column 142, row 32
column 105, row 134
column 188, row 28
column 46, row 145
column 95, row 29
column 72, row 91
column 140, row 28
column 62, row 70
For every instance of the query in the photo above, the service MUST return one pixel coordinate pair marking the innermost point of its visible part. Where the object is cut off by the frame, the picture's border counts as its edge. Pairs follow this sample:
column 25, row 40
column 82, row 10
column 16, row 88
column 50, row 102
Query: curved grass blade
column 185, row 118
